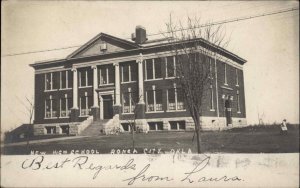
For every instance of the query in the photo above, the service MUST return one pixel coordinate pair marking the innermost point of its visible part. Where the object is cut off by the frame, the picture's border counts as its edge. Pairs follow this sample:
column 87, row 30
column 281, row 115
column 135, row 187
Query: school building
column 99, row 85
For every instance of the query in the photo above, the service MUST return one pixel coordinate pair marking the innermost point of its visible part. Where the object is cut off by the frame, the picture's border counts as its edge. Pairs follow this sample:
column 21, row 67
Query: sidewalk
column 43, row 140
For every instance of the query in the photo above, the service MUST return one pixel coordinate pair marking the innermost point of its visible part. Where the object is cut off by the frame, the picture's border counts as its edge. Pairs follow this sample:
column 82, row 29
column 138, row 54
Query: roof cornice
column 138, row 49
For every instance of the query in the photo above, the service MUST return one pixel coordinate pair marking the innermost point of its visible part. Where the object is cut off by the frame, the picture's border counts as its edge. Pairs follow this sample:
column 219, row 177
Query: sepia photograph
column 150, row 93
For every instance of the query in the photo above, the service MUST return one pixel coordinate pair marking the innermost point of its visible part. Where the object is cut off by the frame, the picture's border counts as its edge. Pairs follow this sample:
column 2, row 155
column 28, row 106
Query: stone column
column 75, row 111
column 95, row 107
column 101, row 106
column 140, row 116
column 117, row 101
column 141, row 79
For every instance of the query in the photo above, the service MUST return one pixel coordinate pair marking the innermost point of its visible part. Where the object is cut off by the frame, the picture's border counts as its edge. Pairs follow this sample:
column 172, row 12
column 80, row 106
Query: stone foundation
column 41, row 129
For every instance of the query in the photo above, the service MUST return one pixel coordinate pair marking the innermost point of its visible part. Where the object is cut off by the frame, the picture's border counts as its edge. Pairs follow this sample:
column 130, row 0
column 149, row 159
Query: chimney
column 140, row 35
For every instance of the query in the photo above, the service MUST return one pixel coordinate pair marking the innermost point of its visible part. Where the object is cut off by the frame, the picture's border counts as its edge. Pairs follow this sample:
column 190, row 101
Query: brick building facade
column 108, row 77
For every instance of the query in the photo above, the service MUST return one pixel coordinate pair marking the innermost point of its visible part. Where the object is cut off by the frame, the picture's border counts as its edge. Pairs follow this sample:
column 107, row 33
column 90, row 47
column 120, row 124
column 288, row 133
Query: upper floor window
column 50, row 108
column 66, row 79
column 237, row 77
column 129, row 72
column 85, row 104
column 175, row 99
column 85, row 77
column 65, row 106
column 51, row 80
column 106, row 75
column 225, row 74
column 153, row 68
column 170, row 66
column 154, row 100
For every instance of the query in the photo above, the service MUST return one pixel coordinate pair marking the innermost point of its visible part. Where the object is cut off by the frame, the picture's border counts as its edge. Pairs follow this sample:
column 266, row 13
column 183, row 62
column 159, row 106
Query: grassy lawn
column 253, row 139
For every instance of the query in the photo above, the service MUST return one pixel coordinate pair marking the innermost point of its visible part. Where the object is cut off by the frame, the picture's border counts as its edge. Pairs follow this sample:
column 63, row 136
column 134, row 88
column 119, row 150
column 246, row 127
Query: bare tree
column 132, row 100
column 195, row 46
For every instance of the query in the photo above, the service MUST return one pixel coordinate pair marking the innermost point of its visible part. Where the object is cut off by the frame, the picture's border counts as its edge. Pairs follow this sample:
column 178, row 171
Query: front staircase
column 95, row 128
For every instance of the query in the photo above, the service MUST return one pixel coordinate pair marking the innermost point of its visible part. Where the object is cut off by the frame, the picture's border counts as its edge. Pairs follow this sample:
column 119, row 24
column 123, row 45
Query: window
column 177, row 125
column 155, row 126
column 50, row 129
column 225, row 74
column 50, row 108
column 211, row 90
column 154, row 100
column 66, row 79
column 65, row 106
column 85, row 77
column 175, row 99
column 238, row 102
column 129, row 72
column 237, row 77
column 153, row 68
column 85, row 105
column 106, row 75
column 129, row 101
column 65, row 129
column 52, row 81
column 171, row 67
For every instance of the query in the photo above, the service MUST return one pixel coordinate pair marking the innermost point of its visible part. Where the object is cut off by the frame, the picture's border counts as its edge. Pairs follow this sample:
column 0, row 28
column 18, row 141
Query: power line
column 153, row 34
column 233, row 20
column 32, row 52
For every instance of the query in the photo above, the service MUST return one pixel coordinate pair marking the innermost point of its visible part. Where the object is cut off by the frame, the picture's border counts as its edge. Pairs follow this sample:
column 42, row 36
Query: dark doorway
column 228, row 112
column 107, row 106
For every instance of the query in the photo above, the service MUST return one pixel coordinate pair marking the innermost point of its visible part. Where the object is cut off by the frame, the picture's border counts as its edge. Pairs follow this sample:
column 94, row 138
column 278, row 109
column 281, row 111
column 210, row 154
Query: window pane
column 111, row 74
column 70, row 105
column 173, row 125
column 149, row 68
column 48, row 110
column 82, row 78
column 150, row 101
column 152, row 126
column 134, row 72
column 157, row 66
column 160, row 126
column 180, row 99
column 82, row 102
column 63, row 79
column 90, row 101
column 63, row 104
column 55, row 80
column 170, row 66
column 126, row 99
column 48, row 81
column 90, row 77
column 125, row 73
column 54, row 108
column 171, row 98
column 158, row 100
column 70, row 79
column 63, row 111
column 181, row 125
column 103, row 76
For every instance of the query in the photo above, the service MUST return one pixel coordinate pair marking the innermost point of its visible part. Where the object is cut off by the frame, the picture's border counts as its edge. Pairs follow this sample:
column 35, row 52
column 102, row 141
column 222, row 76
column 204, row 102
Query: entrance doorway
column 228, row 112
column 107, row 106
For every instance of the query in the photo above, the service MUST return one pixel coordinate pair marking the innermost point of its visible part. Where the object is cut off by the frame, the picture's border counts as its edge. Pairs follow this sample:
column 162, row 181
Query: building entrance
column 107, row 106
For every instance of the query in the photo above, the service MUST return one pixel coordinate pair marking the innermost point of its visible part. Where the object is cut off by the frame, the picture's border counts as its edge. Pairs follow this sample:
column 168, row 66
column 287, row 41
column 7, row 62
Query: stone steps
column 95, row 129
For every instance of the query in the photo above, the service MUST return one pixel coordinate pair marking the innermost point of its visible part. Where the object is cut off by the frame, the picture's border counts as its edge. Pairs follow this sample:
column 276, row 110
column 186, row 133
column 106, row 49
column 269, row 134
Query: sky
column 270, row 44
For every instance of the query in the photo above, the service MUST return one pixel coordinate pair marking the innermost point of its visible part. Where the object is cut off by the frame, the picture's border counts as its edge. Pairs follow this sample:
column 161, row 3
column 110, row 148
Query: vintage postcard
column 150, row 94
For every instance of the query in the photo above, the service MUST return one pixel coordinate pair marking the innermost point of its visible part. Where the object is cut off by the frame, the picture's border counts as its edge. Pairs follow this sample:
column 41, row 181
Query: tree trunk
column 197, row 126
column 132, row 129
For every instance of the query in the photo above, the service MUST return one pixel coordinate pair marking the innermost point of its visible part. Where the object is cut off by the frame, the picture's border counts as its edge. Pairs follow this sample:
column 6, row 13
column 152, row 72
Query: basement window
column 177, row 125
column 155, row 126
column 50, row 129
